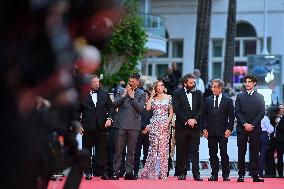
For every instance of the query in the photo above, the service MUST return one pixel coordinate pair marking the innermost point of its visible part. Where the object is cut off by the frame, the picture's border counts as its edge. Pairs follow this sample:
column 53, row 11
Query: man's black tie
column 216, row 102
column 188, row 91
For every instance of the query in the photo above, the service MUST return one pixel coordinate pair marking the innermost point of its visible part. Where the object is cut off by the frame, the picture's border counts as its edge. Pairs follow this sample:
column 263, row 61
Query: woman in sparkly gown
column 156, row 165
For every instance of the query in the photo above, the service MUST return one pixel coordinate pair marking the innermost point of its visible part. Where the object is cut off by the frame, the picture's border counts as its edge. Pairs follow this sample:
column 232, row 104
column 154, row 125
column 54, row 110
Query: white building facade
column 180, row 22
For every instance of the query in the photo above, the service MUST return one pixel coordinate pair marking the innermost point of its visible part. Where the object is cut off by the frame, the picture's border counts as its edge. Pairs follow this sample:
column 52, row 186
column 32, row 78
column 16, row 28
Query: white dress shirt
column 94, row 97
column 250, row 93
column 266, row 125
column 219, row 99
column 189, row 98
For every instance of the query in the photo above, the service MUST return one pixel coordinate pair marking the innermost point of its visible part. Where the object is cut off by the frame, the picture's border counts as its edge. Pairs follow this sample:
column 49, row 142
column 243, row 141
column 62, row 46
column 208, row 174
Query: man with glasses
column 217, row 125
column 250, row 110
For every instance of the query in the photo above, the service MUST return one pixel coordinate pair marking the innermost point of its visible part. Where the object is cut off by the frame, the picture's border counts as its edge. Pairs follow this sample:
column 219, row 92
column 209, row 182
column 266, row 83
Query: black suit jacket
column 216, row 122
column 145, row 118
column 280, row 130
column 94, row 117
column 249, row 109
column 184, row 112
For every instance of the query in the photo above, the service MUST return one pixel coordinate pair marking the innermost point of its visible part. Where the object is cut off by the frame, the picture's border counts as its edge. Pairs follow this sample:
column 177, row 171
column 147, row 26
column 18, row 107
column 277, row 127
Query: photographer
column 37, row 57
column 62, row 148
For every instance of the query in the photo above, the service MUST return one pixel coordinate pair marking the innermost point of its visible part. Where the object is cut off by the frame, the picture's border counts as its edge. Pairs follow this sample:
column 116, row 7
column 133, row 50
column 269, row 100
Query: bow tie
column 93, row 91
column 188, row 91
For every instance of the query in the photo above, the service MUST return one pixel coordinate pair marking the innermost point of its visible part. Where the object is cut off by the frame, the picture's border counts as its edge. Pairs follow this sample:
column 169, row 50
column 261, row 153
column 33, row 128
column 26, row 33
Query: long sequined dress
column 156, row 165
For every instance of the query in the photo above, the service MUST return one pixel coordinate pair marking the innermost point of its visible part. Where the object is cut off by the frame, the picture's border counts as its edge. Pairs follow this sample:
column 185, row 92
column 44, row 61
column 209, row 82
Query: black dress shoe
column 53, row 177
column 114, row 176
column 88, row 177
column 129, row 176
column 257, row 179
column 226, row 179
column 241, row 179
column 213, row 178
column 182, row 177
column 197, row 178
column 104, row 177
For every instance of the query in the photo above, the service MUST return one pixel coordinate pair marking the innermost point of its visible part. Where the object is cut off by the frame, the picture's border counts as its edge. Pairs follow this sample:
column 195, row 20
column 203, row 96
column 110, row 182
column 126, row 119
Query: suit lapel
column 211, row 102
column 89, row 99
column 221, row 102
column 99, row 97
column 136, row 92
column 88, row 102
column 184, row 96
column 194, row 101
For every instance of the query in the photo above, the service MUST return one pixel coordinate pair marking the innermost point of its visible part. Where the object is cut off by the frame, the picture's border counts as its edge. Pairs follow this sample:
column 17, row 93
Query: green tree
column 126, row 47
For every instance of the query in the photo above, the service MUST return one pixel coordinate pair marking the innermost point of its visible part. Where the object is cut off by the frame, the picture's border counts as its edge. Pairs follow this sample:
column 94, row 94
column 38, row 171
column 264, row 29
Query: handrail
column 154, row 25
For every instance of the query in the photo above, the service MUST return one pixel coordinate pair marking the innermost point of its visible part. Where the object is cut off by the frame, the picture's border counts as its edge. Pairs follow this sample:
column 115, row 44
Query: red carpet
column 173, row 183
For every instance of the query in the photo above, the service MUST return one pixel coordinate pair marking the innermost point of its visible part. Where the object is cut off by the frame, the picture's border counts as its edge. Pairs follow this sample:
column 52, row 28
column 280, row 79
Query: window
column 177, row 50
column 159, row 65
column 237, row 48
column 179, row 66
column 141, row 6
column 167, row 51
column 245, row 30
column 150, row 69
column 217, row 70
column 217, row 48
column 246, row 43
column 249, row 47
column 161, row 70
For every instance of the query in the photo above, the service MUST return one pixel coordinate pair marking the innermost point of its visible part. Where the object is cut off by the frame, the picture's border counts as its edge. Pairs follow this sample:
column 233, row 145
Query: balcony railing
column 154, row 25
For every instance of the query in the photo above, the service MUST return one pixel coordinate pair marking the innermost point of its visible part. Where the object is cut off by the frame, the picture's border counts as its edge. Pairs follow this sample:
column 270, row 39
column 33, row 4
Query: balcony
column 156, row 31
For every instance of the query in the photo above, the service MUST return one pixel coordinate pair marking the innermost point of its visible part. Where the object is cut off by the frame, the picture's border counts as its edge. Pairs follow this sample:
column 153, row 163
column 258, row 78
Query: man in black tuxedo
column 187, row 103
column 97, row 114
column 217, row 125
column 279, row 138
column 250, row 110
